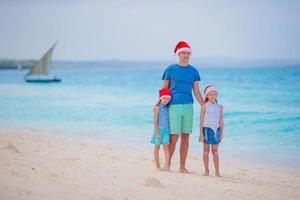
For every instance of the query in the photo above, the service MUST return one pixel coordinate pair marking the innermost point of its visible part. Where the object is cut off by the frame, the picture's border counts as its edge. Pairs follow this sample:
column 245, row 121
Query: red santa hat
column 182, row 46
column 208, row 89
column 164, row 93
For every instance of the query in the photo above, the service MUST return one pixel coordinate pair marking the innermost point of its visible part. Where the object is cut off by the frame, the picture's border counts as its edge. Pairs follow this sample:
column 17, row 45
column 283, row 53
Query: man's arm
column 201, row 138
column 166, row 84
column 221, row 124
column 197, row 93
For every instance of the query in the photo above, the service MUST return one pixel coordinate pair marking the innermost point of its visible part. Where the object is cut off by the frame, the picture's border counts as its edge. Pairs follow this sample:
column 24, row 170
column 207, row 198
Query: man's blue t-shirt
column 181, row 80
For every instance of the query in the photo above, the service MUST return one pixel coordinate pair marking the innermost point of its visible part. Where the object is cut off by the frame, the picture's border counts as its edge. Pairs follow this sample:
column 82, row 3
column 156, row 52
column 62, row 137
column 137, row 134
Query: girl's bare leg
column 156, row 156
column 206, row 149
column 167, row 157
column 215, row 154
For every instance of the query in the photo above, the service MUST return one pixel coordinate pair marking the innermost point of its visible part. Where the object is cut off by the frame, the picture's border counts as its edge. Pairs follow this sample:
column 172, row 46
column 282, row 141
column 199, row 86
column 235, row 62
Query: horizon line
column 204, row 58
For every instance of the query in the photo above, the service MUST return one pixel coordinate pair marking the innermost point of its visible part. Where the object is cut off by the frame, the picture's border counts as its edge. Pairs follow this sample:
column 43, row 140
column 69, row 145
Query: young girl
column 211, row 127
column 161, row 128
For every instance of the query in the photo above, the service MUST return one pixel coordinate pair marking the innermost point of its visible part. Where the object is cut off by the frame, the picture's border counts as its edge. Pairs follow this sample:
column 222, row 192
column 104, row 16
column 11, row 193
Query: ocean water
column 110, row 101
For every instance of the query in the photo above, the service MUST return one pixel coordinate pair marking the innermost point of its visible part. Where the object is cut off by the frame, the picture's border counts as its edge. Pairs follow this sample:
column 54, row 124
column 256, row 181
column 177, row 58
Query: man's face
column 184, row 56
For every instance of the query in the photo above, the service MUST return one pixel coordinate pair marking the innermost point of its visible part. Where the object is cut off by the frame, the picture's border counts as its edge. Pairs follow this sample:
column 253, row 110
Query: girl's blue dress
column 163, row 126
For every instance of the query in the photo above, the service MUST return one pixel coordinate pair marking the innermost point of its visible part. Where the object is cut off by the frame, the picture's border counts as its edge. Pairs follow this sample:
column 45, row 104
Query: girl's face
column 165, row 100
column 212, row 96
column 184, row 56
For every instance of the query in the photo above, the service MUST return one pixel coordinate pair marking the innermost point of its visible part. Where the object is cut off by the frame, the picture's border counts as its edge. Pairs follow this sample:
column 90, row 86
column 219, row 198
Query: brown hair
column 157, row 103
column 206, row 100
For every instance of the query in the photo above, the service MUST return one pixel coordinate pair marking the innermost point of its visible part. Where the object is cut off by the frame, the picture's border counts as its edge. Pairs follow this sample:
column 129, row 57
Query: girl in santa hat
column 211, row 127
column 161, row 135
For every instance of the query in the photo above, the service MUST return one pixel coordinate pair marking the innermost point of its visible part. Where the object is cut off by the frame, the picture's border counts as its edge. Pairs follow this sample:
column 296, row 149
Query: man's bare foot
column 184, row 170
column 218, row 174
column 206, row 173
column 167, row 169
column 159, row 168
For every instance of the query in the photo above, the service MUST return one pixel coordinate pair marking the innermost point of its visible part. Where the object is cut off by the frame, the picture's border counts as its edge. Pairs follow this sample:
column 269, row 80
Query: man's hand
column 197, row 93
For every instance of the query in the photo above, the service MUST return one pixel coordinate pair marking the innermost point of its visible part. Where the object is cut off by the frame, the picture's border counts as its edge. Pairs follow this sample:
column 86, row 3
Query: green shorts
column 181, row 118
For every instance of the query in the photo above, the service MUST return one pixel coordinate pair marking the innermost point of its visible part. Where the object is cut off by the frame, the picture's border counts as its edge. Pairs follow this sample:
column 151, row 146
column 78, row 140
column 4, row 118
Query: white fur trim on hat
column 209, row 89
column 183, row 49
column 165, row 96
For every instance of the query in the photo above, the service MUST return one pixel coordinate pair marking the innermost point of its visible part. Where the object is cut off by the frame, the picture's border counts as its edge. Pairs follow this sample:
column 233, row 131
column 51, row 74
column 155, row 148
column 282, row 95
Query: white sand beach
column 45, row 166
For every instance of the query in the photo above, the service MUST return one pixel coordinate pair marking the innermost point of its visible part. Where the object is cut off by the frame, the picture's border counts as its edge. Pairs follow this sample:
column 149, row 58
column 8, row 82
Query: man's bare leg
column 184, row 147
column 173, row 141
column 167, row 157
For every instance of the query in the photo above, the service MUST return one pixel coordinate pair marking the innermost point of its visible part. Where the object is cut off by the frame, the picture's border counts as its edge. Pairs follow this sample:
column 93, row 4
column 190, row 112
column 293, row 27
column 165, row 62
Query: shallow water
column 114, row 102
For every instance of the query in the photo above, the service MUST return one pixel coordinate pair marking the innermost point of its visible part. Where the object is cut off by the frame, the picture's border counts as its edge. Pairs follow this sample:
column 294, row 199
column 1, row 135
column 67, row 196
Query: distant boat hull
column 57, row 80
column 39, row 73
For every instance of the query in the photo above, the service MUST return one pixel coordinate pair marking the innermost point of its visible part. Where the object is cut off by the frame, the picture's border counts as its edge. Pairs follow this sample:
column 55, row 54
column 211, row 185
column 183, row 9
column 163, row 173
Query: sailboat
column 40, row 72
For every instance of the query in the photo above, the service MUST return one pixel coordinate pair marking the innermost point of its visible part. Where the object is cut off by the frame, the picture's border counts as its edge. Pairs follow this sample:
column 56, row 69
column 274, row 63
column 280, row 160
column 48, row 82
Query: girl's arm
column 221, row 124
column 155, row 112
column 201, row 123
column 197, row 93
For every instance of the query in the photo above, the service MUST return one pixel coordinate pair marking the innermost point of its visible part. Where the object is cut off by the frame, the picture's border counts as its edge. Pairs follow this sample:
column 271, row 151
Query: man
column 182, row 78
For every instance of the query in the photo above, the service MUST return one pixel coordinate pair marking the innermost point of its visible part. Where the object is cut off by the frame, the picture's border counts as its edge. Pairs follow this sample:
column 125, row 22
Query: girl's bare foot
column 184, row 170
column 206, row 173
column 167, row 169
column 159, row 168
column 218, row 174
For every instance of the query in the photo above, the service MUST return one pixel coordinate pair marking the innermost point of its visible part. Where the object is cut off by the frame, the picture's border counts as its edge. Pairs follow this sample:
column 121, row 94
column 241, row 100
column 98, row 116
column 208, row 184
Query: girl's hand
column 201, row 137
column 221, row 137
column 158, row 136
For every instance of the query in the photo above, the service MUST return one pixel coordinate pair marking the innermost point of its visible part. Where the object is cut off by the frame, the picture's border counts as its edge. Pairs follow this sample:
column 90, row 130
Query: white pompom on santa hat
column 182, row 46
column 208, row 89
column 165, row 92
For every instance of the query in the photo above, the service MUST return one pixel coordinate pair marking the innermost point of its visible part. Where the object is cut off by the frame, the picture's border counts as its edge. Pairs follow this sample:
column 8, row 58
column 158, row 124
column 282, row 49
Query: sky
column 148, row 30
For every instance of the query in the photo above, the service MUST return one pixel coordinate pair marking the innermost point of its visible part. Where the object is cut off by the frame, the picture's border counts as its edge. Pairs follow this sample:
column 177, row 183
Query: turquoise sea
column 113, row 101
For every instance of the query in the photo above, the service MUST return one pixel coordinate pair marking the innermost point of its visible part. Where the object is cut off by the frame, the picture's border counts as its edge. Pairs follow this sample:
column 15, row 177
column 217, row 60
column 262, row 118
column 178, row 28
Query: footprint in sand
column 72, row 159
column 194, row 157
column 12, row 148
column 83, row 145
column 142, row 158
column 152, row 182
column 106, row 198
column 13, row 172
column 242, row 172
column 114, row 157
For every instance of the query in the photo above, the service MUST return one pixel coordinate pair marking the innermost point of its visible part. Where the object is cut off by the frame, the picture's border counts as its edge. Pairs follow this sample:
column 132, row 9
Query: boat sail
column 41, row 70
